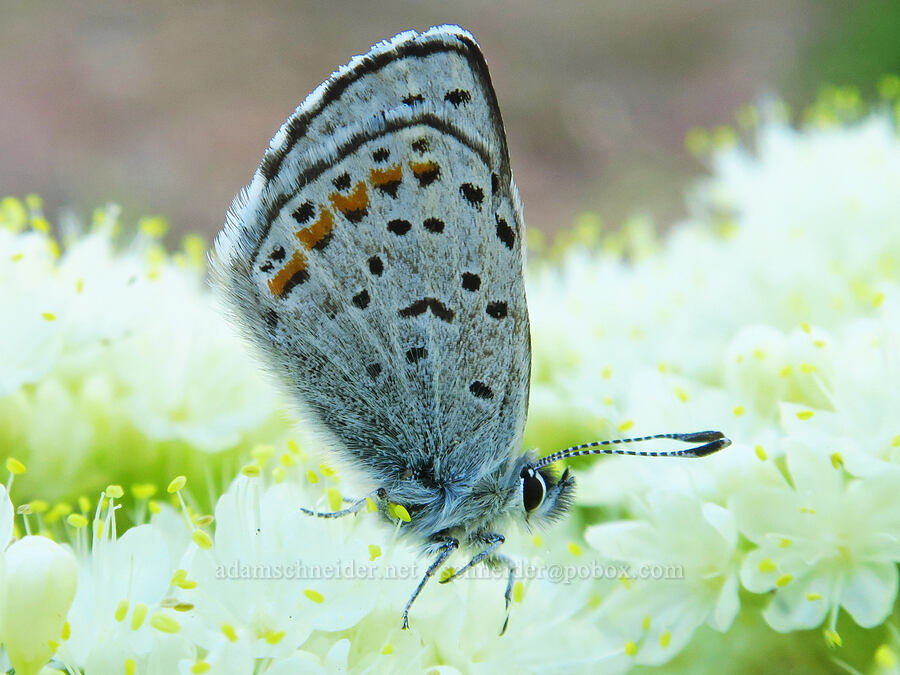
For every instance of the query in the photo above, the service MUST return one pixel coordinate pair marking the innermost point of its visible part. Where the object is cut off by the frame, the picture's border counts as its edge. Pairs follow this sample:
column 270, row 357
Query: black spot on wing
column 342, row 182
column 427, row 175
column 435, row 225
column 399, row 227
column 472, row 194
column 376, row 267
column 481, row 390
column 438, row 308
column 497, row 310
column 411, row 99
column 374, row 370
column 381, row 155
column 299, row 277
column 505, row 233
column 457, row 97
column 303, row 213
column 471, row 282
column 389, row 187
column 362, row 299
column 421, row 145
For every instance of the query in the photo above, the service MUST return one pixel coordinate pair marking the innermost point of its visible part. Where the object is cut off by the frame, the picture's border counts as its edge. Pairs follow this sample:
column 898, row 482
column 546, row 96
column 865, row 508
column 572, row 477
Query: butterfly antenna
column 712, row 441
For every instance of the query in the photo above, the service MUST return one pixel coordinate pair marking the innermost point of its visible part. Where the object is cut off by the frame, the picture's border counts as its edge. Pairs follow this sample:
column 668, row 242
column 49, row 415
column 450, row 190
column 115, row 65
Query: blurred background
column 166, row 107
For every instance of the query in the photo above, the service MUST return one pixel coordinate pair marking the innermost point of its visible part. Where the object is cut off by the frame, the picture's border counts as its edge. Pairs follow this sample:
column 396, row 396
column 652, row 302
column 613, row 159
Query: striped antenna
column 712, row 441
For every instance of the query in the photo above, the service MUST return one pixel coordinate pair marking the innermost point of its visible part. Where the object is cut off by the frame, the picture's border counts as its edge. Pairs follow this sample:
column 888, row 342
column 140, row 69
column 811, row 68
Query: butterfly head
column 544, row 497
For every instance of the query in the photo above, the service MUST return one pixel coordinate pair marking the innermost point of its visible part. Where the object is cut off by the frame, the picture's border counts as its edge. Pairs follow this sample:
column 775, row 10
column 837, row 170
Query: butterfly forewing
column 377, row 257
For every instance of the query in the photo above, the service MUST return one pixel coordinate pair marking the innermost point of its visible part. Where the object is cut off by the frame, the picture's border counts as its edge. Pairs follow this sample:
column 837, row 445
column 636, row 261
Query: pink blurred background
column 166, row 107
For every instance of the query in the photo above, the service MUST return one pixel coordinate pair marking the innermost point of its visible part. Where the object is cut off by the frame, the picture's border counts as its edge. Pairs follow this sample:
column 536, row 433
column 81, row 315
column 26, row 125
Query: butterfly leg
column 507, row 595
column 493, row 541
column 356, row 505
column 447, row 546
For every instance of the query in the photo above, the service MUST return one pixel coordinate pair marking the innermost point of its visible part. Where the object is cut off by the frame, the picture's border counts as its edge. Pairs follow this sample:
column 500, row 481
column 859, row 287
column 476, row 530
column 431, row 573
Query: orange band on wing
column 354, row 205
column 295, row 266
column 319, row 230
column 393, row 174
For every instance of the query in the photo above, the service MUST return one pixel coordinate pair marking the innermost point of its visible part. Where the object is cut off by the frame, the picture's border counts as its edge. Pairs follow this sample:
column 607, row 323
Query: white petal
column 7, row 516
column 870, row 592
column 623, row 540
column 723, row 522
column 727, row 607
column 36, row 591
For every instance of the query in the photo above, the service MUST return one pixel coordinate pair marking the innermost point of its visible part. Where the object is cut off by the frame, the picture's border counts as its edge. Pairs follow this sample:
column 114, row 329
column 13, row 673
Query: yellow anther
column 176, row 484
column 315, row 596
column 138, row 615
column 250, row 470
column 767, row 565
column 77, row 520
column 399, row 512
column 14, row 466
column 164, row 623
column 229, row 632
column 202, row 539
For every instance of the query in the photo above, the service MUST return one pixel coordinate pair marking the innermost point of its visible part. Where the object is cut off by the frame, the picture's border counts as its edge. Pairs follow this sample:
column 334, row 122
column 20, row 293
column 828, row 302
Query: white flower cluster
column 771, row 314
column 108, row 346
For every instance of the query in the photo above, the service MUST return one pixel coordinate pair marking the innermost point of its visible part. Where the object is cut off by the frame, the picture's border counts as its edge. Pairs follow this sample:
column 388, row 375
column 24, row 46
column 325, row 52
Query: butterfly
column 376, row 260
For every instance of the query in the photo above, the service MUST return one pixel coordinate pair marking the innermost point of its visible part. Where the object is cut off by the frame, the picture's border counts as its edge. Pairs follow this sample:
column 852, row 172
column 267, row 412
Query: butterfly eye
column 533, row 489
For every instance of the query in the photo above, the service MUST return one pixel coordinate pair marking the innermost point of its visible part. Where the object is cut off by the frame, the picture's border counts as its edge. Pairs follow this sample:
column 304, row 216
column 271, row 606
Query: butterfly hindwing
column 377, row 258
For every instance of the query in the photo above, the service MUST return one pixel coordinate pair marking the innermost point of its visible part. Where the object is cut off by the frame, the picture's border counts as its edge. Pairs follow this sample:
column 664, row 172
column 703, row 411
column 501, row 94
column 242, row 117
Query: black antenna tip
column 703, row 437
column 710, row 448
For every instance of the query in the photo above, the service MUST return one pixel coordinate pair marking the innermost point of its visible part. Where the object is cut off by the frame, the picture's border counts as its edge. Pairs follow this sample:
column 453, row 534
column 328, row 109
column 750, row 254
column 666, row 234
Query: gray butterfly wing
column 376, row 258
